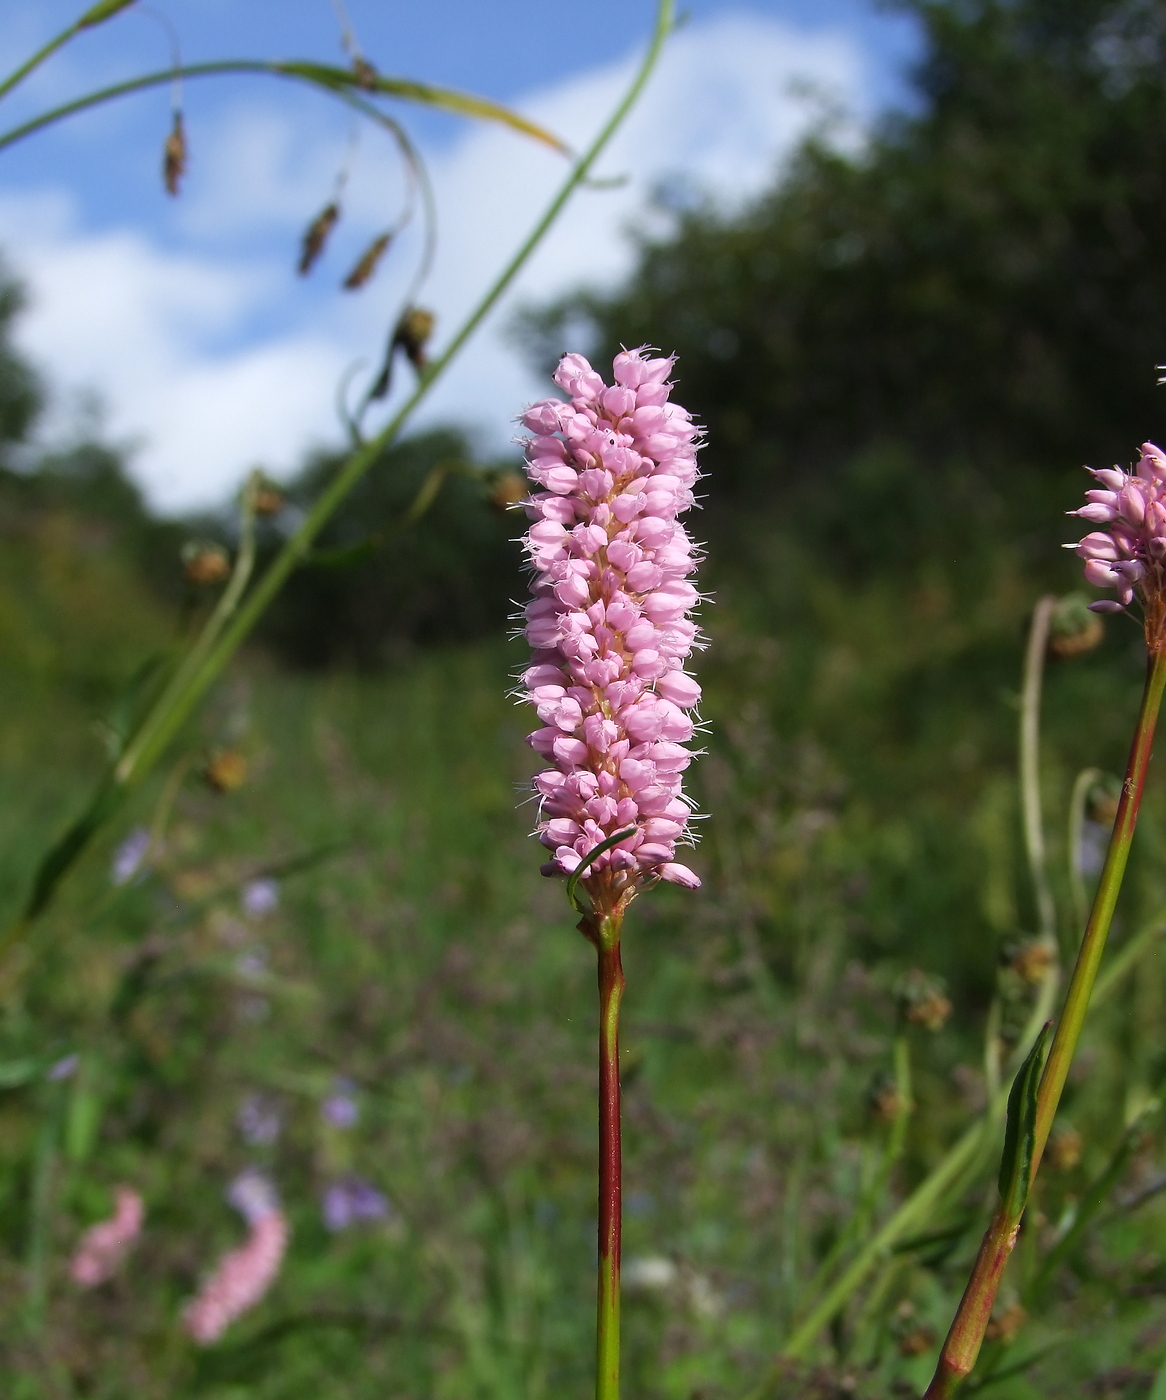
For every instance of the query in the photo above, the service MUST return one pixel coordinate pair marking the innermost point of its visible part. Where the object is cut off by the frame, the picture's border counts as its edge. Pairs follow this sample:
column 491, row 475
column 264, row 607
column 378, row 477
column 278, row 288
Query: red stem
column 611, row 985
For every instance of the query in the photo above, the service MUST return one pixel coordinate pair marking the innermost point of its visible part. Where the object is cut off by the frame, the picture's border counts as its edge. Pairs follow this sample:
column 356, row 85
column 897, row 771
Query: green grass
column 863, row 821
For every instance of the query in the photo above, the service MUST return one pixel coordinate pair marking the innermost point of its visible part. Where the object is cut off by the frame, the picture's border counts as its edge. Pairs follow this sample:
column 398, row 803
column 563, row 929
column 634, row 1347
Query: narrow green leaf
column 584, row 865
column 464, row 104
column 103, row 10
column 1020, row 1134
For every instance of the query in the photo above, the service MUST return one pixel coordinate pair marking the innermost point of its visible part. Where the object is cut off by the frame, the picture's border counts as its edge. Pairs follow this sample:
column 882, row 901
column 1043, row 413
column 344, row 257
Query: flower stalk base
column 604, row 933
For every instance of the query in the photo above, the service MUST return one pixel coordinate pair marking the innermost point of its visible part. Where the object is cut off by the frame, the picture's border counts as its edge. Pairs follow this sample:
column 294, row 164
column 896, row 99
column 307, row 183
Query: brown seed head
column 922, row 1000
column 1064, row 1150
column 316, row 236
column 1006, row 1324
column 1031, row 960
column 174, row 156
column 268, row 499
column 367, row 263
column 204, row 562
column 1103, row 800
column 227, row 770
column 1073, row 629
column 412, row 334
column 885, row 1100
column 365, row 74
column 916, row 1341
column 507, row 489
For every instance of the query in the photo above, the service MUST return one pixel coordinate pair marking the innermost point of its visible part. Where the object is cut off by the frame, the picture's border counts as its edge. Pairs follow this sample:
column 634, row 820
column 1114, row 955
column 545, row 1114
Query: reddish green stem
column 967, row 1330
column 605, row 934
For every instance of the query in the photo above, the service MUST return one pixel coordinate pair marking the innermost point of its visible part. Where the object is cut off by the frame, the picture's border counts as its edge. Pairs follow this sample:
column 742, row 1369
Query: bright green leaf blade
column 465, row 104
column 1020, row 1134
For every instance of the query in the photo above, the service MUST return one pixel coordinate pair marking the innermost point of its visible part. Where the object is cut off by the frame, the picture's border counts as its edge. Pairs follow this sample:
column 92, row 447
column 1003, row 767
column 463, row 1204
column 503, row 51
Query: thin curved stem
column 338, row 81
column 1034, row 834
column 93, row 16
column 1080, row 795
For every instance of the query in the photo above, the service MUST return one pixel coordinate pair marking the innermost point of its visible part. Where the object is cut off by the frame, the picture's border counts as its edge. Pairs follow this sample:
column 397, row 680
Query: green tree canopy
column 983, row 283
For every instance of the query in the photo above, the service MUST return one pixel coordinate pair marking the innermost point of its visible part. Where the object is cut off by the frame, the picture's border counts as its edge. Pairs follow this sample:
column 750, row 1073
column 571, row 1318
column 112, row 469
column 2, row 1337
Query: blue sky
column 184, row 318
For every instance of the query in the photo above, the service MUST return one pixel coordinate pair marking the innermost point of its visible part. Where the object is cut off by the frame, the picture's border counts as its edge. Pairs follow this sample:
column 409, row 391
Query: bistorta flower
column 609, row 622
column 1129, row 553
column 103, row 1246
column 245, row 1274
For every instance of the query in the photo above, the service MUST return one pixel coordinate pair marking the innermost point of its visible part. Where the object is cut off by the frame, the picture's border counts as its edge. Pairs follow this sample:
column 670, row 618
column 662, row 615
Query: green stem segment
column 611, row 985
column 967, row 1330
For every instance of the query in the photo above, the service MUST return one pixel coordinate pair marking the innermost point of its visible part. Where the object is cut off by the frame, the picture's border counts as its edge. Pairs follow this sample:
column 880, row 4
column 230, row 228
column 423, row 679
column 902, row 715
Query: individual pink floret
column 103, row 1246
column 245, row 1274
column 609, row 620
column 1129, row 553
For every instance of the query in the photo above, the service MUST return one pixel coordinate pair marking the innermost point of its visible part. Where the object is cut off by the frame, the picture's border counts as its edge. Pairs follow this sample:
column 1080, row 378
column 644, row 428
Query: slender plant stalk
column 606, row 937
column 175, row 707
column 1034, row 834
column 318, row 75
column 1097, row 929
column 962, row 1346
column 1080, row 795
column 93, row 16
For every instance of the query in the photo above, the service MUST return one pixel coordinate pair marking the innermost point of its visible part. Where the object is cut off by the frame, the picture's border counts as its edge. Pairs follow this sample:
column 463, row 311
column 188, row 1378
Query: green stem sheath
column 967, row 1329
column 611, row 985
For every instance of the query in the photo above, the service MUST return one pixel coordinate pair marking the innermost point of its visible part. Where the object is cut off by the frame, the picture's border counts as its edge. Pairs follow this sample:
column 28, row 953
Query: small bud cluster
column 1129, row 554
column 612, row 469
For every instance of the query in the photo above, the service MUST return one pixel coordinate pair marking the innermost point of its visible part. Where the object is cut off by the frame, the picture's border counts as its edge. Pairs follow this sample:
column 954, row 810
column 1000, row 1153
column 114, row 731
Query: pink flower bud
column 679, row 688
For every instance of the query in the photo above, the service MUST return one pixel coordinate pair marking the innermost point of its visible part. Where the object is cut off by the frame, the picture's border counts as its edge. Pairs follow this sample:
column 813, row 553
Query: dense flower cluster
column 245, row 1274
column 1129, row 554
column 103, row 1246
column 609, row 624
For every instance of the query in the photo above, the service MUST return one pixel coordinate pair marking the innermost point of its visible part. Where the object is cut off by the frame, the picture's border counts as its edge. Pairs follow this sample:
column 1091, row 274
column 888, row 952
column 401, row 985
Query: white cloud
column 217, row 359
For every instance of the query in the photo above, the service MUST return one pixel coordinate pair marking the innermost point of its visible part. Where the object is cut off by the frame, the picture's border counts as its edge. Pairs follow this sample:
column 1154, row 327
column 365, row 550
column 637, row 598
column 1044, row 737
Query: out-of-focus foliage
column 420, row 553
column 983, row 285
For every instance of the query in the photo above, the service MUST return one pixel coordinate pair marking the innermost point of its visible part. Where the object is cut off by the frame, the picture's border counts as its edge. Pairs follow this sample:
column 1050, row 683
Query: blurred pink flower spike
column 103, row 1246
column 245, row 1274
column 1129, row 553
column 609, row 623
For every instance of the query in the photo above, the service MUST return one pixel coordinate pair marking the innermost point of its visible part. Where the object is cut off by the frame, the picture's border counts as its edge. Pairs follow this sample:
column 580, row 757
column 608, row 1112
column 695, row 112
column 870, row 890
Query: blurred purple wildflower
column 259, row 1120
column 260, row 897
column 128, row 858
column 352, row 1201
column 609, row 621
column 63, row 1068
column 340, row 1108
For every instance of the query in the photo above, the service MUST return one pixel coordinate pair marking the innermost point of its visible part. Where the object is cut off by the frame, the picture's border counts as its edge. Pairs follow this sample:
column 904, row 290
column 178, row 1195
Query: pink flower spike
column 610, row 624
column 102, row 1247
column 243, row 1275
column 1130, row 555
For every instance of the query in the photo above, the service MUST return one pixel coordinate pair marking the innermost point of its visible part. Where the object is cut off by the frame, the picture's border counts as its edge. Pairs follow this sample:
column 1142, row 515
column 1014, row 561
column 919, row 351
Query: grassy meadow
column 863, row 821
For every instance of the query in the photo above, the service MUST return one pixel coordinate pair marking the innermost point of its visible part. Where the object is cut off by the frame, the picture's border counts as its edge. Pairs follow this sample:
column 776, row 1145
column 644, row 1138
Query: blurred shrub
column 377, row 586
column 980, row 286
